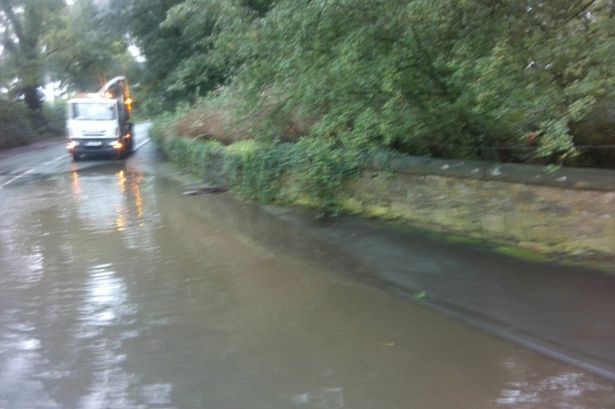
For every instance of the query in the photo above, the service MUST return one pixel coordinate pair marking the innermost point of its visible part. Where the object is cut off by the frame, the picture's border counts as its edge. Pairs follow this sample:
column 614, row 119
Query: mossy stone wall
column 567, row 210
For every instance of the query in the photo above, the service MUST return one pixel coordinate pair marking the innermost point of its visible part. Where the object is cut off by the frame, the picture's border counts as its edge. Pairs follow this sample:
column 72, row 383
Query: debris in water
column 420, row 295
column 206, row 189
column 325, row 398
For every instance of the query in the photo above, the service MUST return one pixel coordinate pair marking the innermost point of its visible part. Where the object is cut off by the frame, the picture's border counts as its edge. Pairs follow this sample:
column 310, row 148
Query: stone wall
column 570, row 211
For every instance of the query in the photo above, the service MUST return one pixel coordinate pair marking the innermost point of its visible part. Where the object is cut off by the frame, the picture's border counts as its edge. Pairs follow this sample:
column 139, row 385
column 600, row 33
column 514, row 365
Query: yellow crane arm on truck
column 118, row 88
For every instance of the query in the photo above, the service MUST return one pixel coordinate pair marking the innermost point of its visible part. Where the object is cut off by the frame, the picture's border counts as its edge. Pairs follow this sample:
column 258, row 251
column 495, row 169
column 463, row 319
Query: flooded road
column 118, row 292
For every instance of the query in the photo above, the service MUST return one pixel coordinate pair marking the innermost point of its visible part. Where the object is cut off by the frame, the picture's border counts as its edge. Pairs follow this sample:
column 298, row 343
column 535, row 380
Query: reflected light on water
column 35, row 262
column 104, row 288
column 121, row 180
column 136, row 191
column 106, row 295
column 120, row 219
column 105, row 310
column 109, row 203
column 75, row 185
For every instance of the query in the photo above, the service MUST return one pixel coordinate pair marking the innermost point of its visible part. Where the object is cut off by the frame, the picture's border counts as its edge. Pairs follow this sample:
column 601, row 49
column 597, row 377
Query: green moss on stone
column 521, row 253
column 351, row 205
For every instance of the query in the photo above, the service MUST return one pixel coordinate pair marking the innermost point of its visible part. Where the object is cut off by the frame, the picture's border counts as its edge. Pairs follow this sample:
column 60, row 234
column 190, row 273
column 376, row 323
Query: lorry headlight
column 72, row 145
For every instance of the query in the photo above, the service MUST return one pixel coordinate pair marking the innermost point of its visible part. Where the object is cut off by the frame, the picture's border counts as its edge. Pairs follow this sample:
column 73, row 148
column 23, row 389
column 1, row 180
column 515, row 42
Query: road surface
column 117, row 291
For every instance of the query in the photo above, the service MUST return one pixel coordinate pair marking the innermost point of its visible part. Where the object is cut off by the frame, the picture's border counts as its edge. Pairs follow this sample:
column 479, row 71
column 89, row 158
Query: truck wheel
column 76, row 157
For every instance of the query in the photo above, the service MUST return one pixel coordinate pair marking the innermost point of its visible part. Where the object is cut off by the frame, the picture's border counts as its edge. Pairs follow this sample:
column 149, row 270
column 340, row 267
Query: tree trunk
column 32, row 98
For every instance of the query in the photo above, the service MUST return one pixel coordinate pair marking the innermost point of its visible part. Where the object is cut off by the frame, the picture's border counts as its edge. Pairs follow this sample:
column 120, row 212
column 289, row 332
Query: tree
column 87, row 47
column 487, row 79
column 439, row 77
column 184, row 43
column 162, row 47
column 25, row 23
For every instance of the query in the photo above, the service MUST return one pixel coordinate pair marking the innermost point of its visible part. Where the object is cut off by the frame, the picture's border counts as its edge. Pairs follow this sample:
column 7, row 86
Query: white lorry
column 99, row 123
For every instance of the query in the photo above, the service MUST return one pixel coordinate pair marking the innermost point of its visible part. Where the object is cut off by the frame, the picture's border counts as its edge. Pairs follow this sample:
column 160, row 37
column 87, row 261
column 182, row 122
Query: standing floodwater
column 118, row 292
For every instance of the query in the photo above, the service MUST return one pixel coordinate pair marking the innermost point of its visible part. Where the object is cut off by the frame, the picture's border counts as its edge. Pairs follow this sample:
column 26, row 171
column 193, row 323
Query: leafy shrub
column 193, row 156
column 54, row 117
column 15, row 125
column 257, row 170
column 312, row 170
column 19, row 125
column 321, row 167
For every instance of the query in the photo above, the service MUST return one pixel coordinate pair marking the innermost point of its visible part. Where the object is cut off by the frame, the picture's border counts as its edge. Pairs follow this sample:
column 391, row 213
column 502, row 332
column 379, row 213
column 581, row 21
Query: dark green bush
column 320, row 167
column 20, row 126
column 54, row 120
column 258, row 170
column 312, row 170
column 15, row 125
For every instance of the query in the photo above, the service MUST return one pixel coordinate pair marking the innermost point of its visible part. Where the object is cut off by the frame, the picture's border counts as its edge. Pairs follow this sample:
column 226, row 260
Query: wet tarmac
column 117, row 291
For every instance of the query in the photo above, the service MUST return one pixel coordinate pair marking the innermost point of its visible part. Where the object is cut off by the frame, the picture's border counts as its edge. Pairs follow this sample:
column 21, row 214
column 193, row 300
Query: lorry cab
column 99, row 124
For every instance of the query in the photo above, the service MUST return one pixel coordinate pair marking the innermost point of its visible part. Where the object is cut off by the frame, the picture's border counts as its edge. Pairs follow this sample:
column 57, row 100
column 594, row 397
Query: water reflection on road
column 118, row 292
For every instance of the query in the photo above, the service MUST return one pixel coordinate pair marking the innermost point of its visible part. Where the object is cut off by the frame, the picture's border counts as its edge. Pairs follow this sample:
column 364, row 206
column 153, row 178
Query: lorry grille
column 95, row 144
column 93, row 134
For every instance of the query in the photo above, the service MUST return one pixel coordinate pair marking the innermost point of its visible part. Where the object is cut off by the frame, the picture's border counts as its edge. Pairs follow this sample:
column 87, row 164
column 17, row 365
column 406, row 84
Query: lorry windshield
column 93, row 111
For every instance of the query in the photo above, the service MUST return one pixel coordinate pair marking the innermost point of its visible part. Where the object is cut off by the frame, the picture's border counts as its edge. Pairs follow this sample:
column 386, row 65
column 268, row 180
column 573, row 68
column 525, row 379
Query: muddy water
column 118, row 292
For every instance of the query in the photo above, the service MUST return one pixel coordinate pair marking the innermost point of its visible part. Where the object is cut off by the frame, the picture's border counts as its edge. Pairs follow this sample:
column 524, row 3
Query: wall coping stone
column 568, row 178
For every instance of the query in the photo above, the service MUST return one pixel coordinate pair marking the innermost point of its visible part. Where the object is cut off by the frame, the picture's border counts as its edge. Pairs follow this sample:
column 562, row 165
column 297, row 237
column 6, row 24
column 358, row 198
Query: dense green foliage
column 163, row 47
column 88, row 46
column 311, row 171
column 180, row 40
column 15, row 126
column 490, row 79
column 24, row 24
